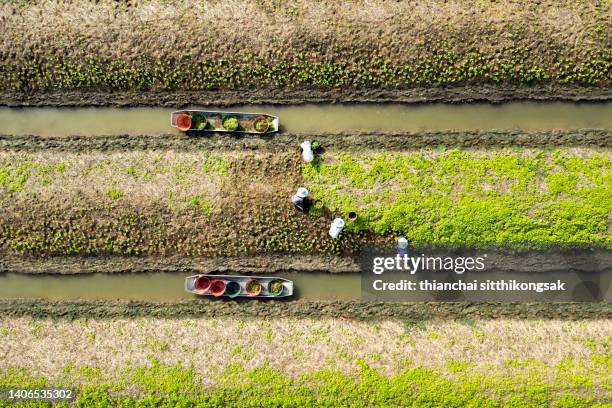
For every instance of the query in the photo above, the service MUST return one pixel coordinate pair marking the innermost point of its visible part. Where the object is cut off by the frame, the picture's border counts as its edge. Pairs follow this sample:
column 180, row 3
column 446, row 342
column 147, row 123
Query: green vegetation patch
column 180, row 181
column 443, row 68
column 174, row 385
column 14, row 174
column 376, row 45
column 464, row 196
column 192, row 205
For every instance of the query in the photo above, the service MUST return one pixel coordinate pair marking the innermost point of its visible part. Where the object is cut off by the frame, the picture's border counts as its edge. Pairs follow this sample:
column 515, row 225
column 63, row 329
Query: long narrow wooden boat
column 239, row 286
column 217, row 121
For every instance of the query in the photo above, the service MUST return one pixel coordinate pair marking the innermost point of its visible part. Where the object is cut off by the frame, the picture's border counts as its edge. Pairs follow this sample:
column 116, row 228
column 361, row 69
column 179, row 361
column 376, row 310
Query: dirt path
column 268, row 263
column 410, row 312
column 484, row 93
column 354, row 141
column 502, row 260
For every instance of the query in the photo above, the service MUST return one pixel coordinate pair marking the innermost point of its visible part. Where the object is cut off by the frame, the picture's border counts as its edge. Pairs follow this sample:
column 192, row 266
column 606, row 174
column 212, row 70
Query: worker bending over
column 301, row 200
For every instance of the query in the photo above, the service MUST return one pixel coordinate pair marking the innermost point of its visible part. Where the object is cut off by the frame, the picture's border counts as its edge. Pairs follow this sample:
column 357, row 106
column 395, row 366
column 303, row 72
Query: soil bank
column 227, row 98
column 283, row 142
column 412, row 312
column 181, row 52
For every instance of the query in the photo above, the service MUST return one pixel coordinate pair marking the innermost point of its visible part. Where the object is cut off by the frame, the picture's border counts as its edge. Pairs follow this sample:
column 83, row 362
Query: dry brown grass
column 298, row 346
column 143, row 177
column 402, row 32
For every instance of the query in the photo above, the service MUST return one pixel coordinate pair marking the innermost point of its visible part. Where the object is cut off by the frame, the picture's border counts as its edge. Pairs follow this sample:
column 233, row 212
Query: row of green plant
column 118, row 227
column 25, row 173
column 15, row 174
column 462, row 196
column 160, row 385
column 442, row 67
column 435, row 197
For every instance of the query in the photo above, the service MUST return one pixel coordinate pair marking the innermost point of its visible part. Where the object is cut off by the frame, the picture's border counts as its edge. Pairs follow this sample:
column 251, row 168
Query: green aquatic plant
column 261, row 124
column 230, row 123
column 199, row 122
column 275, row 287
column 253, row 286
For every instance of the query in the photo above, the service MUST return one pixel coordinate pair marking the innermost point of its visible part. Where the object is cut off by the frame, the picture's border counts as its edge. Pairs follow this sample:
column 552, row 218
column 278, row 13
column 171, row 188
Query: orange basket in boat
column 183, row 122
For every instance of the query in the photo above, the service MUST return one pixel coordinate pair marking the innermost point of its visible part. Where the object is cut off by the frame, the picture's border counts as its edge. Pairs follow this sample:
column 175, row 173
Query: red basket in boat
column 217, row 287
column 183, row 122
column 202, row 283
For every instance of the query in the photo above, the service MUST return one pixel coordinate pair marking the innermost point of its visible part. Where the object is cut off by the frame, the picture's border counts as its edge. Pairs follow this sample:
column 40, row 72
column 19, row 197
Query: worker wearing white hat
column 300, row 198
column 402, row 245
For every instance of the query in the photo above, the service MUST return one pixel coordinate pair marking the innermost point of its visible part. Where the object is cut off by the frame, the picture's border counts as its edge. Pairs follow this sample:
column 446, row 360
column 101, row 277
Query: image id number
column 38, row 394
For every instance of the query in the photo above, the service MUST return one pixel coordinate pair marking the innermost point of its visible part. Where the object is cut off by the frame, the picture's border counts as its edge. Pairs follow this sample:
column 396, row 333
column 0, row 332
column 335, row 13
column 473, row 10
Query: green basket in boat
column 199, row 121
column 230, row 123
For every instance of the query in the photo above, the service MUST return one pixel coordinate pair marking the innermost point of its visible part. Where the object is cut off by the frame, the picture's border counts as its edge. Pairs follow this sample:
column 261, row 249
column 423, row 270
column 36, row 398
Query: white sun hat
column 336, row 228
column 302, row 192
column 402, row 243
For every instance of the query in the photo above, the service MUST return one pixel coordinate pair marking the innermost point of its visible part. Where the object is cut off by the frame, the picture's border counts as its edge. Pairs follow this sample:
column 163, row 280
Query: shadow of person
column 448, row 295
column 587, row 291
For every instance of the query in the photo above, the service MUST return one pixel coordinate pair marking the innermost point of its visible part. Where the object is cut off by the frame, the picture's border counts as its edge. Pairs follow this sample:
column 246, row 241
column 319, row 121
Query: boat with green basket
column 239, row 286
column 219, row 121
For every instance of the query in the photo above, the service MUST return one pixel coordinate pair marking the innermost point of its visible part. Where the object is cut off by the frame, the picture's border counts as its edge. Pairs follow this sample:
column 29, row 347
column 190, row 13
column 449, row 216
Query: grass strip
column 471, row 197
column 174, row 385
column 302, row 44
column 187, row 204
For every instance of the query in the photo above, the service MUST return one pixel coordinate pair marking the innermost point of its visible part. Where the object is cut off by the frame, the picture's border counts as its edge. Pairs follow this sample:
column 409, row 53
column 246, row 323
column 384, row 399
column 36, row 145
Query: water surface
column 318, row 118
column 159, row 286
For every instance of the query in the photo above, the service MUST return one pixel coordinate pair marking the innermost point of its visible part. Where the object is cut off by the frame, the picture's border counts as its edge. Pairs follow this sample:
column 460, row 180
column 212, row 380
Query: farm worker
column 300, row 199
column 402, row 245
column 307, row 153
column 336, row 227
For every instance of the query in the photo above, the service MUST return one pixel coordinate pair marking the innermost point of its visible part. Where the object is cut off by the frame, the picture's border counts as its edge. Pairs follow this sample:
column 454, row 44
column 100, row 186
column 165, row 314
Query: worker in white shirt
column 300, row 200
